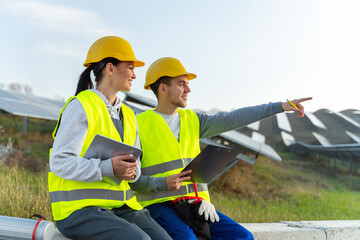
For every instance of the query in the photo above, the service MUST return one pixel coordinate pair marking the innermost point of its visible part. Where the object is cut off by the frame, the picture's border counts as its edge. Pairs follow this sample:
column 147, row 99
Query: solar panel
column 258, row 137
column 254, row 126
column 133, row 97
column 353, row 136
column 322, row 140
column 29, row 106
column 246, row 142
column 315, row 121
column 283, row 122
column 288, row 139
column 356, row 124
column 138, row 106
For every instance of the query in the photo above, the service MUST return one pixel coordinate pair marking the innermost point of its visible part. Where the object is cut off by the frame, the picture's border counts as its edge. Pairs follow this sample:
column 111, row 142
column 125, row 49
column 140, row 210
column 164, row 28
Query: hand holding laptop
column 174, row 182
column 124, row 166
column 123, row 157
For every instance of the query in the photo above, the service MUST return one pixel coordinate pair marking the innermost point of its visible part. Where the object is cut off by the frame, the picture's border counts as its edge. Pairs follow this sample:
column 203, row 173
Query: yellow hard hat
column 166, row 66
column 111, row 46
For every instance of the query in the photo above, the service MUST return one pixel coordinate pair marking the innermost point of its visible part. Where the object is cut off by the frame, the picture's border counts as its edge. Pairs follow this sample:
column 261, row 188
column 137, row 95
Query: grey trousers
column 121, row 223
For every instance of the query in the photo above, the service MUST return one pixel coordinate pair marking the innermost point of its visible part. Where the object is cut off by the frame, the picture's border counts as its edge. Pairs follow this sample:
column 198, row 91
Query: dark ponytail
column 85, row 78
column 84, row 81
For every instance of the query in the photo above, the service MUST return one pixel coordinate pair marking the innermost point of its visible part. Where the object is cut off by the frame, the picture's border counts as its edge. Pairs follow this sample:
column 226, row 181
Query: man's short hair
column 155, row 86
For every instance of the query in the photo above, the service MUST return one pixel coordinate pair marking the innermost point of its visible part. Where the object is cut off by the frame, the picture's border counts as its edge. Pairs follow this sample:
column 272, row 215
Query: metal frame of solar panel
column 342, row 152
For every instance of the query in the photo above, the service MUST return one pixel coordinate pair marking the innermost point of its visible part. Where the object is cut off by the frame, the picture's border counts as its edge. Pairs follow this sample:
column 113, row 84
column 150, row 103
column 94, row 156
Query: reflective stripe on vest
column 164, row 167
column 68, row 196
column 189, row 188
column 79, row 194
column 163, row 155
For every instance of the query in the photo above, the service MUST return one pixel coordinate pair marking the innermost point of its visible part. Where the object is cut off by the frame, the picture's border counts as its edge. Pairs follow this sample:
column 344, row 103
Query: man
column 169, row 137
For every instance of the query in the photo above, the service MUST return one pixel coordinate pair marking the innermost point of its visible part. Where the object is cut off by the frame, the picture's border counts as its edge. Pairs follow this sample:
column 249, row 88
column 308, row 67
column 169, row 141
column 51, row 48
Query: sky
column 244, row 53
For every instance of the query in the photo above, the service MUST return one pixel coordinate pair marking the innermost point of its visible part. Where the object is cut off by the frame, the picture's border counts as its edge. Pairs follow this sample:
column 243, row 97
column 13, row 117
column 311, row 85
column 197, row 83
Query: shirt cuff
column 160, row 183
column 138, row 172
column 106, row 168
column 278, row 107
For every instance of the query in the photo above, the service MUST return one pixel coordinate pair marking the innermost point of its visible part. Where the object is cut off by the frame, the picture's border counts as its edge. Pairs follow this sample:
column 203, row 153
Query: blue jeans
column 226, row 228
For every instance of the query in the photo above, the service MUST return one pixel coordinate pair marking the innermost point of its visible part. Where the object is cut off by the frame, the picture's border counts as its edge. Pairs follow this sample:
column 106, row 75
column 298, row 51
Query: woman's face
column 124, row 74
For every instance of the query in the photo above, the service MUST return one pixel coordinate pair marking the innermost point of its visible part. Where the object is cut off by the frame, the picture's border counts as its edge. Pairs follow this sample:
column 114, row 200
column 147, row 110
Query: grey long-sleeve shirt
column 65, row 161
column 210, row 125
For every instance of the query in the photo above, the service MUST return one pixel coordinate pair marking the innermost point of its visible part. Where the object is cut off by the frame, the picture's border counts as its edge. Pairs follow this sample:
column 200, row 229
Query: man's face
column 177, row 91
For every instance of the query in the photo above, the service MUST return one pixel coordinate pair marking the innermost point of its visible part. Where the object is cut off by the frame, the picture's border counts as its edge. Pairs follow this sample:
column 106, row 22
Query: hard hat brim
column 189, row 76
column 137, row 63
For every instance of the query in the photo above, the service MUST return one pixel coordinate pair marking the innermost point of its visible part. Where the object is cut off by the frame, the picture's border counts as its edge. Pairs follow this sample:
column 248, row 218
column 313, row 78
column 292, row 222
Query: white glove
column 208, row 210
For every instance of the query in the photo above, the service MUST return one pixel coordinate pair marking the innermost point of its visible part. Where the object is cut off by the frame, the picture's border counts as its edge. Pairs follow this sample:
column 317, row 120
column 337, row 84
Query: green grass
column 322, row 205
column 23, row 193
column 294, row 190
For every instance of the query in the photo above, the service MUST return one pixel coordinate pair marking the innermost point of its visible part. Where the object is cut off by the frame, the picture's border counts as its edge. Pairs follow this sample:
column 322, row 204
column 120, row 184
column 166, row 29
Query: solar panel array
column 325, row 134
column 29, row 106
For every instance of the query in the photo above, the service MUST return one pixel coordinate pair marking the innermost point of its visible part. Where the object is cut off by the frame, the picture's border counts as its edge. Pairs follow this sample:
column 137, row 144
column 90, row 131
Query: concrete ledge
column 59, row 236
column 314, row 230
column 304, row 230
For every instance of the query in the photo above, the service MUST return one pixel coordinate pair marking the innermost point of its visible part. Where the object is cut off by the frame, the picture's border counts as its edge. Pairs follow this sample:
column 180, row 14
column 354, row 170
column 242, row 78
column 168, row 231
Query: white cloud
column 58, row 17
column 74, row 51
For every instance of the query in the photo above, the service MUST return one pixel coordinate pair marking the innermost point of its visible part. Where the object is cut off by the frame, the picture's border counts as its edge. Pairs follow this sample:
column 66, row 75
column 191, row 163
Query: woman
column 91, row 198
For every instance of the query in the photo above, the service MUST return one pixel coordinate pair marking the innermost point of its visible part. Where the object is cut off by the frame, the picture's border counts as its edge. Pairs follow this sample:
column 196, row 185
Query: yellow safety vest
column 68, row 196
column 163, row 155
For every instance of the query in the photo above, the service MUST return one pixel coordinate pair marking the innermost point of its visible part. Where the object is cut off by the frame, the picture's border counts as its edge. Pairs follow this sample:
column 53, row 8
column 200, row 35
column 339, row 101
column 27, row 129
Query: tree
column 28, row 89
column 17, row 87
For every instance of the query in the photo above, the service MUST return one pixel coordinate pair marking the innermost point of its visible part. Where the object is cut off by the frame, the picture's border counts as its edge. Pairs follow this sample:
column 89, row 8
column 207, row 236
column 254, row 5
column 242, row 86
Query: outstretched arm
column 212, row 125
